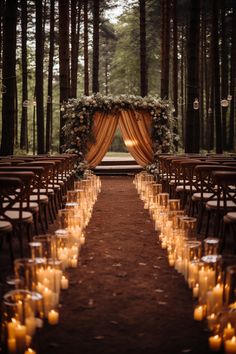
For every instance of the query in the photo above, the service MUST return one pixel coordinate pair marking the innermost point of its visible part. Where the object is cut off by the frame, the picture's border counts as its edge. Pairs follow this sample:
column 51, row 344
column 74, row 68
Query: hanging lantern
column 173, row 109
column 25, row 103
column 224, row 103
column 209, row 110
column 34, row 102
column 196, row 104
column 229, row 98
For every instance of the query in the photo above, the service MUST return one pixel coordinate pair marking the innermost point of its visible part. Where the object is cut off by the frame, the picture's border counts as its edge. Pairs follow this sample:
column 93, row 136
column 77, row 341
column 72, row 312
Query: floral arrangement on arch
column 78, row 116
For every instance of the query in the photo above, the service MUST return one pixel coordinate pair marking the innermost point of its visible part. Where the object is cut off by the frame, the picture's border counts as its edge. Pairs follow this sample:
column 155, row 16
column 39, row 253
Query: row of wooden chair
column 206, row 186
column 32, row 189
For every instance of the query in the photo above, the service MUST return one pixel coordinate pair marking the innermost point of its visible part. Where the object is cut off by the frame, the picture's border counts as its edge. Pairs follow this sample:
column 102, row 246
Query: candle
column 30, row 351
column 48, row 298
column 196, row 291
column 198, row 314
column 228, row 331
column 11, row 345
column 53, row 317
column 11, row 328
column 74, row 262
column 30, row 325
column 20, row 335
column 64, row 283
column 215, row 343
column 171, row 260
column 211, row 321
column 218, row 295
column 230, row 346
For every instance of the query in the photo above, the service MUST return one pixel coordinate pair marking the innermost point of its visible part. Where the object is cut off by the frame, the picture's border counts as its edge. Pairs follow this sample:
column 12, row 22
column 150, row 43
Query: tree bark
column 175, row 70
column 39, row 77
column 224, row 74
column 233, row 82
column 96, row 22
column 216, row 77
column 63, row 57
column 86, row 68
column 24, row 115
column 143, row 50
column 49, row 117
column 192, row 130
column 75, row 37
column 165, row 53
column 9, row 78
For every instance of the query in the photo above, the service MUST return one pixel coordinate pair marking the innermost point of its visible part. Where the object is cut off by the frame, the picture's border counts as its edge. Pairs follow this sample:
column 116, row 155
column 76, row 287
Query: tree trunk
column 24, row 116
column 165, row 54
column 175, row 70
column 96, row 21
column 1, row 22
column 75, row 36
column 50, row 78
column 192, row 130
column 182, row 91
column 216, row 77
column 224, row 73
column 201, row 76
column 9, row 78
column 63, row 57
column 39, row 77
column 86, row 68
column 143, row 50
column 233, row 82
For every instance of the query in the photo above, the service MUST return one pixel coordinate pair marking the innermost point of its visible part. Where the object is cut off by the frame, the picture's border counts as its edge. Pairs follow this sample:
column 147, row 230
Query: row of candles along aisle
column 214, row 290
column 39, row 279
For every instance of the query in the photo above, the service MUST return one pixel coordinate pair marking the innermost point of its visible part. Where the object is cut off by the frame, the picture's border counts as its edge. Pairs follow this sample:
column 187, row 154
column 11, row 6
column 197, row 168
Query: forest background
column 182, row 50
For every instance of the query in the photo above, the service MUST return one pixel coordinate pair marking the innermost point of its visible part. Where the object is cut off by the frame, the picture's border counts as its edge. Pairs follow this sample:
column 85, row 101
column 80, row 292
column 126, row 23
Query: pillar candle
column 30, row 351
column 198, row 314
column 20, row 335
column 11, row 345
column 230, row 346
column 228, row 331
column 64, row 283
column 215, row 343
column 53, row 317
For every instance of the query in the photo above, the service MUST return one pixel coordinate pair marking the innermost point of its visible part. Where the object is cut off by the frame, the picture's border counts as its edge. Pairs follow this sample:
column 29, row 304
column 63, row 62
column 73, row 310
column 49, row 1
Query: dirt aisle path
column 123, row 298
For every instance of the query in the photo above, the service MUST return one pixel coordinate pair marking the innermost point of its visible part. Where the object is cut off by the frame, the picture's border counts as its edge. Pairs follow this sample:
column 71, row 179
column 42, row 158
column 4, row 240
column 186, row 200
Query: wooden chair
column 206, row 193
column 226, row 199
column 14, row 189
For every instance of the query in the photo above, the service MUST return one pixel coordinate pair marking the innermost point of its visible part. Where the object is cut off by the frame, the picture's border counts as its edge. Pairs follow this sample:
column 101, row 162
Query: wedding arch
column 91, row 121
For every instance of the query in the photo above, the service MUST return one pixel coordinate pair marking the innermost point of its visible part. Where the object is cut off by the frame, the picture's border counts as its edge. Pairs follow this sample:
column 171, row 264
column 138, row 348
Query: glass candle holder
column 210, row 270
column 163, row 199
column 47, row 246
column 19, row 322
column 230, row 287
column 211, row 246
column 188, row 225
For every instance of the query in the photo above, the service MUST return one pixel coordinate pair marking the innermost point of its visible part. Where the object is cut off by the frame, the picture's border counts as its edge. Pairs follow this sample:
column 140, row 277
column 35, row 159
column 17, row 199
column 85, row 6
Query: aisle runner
column 123, row 298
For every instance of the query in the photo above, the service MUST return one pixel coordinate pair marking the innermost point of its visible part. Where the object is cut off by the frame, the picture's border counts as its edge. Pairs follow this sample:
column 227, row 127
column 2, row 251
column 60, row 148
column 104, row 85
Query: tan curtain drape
column 104, row 127
column 136, row 131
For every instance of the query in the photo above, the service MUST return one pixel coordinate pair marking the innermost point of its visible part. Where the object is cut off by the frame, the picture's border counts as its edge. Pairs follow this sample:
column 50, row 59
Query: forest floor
column 123, row 298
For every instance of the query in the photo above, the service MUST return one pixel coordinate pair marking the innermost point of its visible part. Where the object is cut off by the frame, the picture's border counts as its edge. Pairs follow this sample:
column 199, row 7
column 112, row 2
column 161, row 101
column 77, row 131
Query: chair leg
column 9, row 241
column 207, row 223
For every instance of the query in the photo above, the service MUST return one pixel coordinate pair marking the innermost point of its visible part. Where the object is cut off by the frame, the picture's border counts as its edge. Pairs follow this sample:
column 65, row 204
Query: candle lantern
column 210, row 269
column 230, row 287
column 163, row 200
column 192, row 252
column 188, row 224
column 211, row 246
column 19, row 322
column 47, row 246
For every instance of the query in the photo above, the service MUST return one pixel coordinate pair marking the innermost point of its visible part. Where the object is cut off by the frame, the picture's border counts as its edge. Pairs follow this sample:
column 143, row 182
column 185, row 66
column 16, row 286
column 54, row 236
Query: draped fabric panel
column 136, row 131
column 104, row 127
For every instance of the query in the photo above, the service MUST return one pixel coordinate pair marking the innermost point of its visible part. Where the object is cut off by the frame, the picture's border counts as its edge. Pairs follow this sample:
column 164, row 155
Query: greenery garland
column 78, row 116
